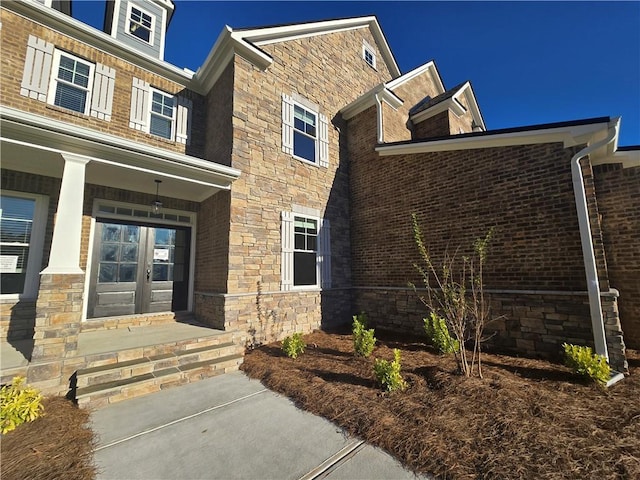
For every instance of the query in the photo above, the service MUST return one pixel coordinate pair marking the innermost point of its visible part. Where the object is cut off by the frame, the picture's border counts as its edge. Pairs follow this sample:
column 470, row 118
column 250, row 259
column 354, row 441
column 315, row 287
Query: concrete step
column 153, row 363
column 186, row 366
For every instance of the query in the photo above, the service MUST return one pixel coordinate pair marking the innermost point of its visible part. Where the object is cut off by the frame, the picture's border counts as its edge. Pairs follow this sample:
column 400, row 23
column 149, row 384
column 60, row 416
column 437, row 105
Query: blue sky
column 529, row 62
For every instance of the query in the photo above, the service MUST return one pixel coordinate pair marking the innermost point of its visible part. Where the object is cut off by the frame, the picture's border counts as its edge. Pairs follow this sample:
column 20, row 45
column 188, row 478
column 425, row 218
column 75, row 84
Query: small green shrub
column 388, row 373
column 584, row 362
column 436, row 329
column 18, row 404
column 293, row 345
column 363, row 339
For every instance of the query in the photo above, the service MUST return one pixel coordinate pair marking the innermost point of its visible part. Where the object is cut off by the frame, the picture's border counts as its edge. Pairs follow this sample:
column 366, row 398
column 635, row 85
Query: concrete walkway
column 229, row 427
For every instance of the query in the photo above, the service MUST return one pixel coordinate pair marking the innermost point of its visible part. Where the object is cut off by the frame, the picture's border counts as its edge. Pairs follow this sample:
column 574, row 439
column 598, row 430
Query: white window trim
column 323, row 251
column 172, row 138
column 128, row 24
column 322, row 130
column 316, row 140
column 36, row 246
column 53, row 81
column 368, row 48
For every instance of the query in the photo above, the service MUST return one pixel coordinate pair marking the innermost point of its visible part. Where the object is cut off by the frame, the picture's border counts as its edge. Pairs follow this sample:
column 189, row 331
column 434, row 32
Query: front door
column 138, row 269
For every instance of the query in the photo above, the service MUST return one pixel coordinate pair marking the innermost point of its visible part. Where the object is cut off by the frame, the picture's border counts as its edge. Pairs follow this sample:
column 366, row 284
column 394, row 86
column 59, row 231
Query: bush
column 438, row 333
column 363, row 339
column 18, row 404
column 584, row 362
column 388, row 373
column 293, row 345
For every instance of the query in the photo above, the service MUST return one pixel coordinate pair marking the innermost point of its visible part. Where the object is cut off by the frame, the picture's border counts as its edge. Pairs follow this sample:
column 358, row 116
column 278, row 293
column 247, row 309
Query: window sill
column 307, row 162
column 73, row 113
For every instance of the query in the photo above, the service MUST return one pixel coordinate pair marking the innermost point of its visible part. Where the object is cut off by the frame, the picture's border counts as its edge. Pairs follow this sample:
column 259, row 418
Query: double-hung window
column 368, row 54
column 140, row 24
column 71, row 82
column 305, row 132
column 161, row 114
column 22, row 225
column 306, row 256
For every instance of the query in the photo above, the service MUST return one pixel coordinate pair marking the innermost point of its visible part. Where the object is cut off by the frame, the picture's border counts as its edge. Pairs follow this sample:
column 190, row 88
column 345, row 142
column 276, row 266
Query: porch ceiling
column 35, row 144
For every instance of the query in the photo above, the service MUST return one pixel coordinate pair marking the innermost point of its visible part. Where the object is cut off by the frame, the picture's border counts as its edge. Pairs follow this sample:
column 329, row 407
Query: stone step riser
column 102, row 359
column 183, row 358
column 102, row 398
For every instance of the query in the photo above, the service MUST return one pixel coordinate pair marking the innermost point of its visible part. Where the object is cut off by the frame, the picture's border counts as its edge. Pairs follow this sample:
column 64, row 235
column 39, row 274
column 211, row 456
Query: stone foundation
column 17, row 319
column 534, row 324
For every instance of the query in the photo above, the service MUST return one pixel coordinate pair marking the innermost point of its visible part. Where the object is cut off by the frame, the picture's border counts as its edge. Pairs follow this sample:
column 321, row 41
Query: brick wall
column 618, row 193
column 14, row 36
column 436, row 126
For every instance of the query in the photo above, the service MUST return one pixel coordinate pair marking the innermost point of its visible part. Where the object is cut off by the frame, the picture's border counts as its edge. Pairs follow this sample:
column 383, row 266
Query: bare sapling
column 455, row 292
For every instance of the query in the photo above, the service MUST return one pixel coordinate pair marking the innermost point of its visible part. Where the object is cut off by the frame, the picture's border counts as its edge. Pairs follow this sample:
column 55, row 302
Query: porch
column 113, row 364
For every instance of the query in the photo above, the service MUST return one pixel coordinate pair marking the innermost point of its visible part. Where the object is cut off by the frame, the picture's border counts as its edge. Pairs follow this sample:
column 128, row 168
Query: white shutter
column 139, row 104
column 286, row 266
column 102, row 95
column 287, row 124
column 183, row 120
column 324, row 257
column 323, row 140
column 37, row 69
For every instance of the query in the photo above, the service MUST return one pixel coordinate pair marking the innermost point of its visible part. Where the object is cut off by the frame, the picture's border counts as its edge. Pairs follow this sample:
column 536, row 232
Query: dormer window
column 368, row 54
column 140, row 24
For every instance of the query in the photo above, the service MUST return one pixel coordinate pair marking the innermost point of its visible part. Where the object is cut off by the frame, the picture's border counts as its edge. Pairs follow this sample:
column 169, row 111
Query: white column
column 67, row 231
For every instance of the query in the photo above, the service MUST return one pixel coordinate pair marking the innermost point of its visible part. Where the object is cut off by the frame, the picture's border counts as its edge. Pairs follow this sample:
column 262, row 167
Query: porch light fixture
column 156, row 205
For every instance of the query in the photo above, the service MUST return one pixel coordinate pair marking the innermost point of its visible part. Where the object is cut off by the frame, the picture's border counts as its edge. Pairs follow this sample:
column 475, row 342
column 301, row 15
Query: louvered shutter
column 183, row 120
column 287, row 124
column 287, row 251
column 102, row 95
column 139, row 104
column 323, row 140
column 37, row 69
column 324, row 254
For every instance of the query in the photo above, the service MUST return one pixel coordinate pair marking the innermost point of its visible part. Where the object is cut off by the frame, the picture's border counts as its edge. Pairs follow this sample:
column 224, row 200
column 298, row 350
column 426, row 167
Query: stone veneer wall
column 533, row 324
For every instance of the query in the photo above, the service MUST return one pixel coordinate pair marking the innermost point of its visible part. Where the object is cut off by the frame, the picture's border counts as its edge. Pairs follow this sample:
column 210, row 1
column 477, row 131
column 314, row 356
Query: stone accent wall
column 14, row 36
column 534, row 324
column 58, row 316
column 618, row 193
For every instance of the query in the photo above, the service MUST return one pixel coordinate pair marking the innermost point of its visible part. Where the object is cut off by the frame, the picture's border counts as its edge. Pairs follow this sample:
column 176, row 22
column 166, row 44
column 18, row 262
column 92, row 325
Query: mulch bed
column 527, row 419
column 58, row 445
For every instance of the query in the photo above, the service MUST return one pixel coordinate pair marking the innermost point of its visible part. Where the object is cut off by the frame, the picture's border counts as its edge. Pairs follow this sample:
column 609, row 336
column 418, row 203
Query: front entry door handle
column 148, row 274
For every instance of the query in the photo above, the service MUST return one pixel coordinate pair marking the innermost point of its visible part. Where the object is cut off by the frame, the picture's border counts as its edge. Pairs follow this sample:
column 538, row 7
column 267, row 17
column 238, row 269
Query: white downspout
column 593, row 286
column 380, row 129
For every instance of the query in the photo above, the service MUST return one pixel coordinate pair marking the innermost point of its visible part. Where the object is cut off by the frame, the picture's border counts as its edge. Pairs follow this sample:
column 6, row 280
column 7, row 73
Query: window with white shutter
column 65, row 80
column 160, row 113
column 306, row 252
column 305, row 131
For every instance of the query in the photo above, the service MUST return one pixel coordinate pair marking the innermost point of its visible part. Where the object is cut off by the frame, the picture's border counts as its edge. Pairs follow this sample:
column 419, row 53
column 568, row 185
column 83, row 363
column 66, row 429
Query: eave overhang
column 247, row 42
column 194, row 178
column 369, row 99
column 95, row 38
column 569, row 134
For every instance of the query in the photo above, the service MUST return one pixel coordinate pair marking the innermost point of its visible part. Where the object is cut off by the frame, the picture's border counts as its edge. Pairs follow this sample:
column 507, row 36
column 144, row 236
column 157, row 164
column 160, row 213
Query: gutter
column 593, row 286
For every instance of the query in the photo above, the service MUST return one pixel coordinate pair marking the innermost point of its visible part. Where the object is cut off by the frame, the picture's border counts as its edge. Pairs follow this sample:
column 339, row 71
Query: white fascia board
column 268, row 35
column 448, row 104
column 569, row 136
column 429, row 66
column 226, row 46
column 369, row 100
column 93, row 37
column 473, row 105
column 23, row 127
column 628, row 159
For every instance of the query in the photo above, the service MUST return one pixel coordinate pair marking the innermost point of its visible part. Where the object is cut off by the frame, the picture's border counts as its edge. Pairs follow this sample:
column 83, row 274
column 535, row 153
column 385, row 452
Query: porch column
column 67, row 232
column 59, row 304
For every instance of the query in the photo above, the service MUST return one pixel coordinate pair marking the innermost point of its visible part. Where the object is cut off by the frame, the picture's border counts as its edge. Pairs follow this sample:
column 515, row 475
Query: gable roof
column 247, row 43
column 448, row 100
